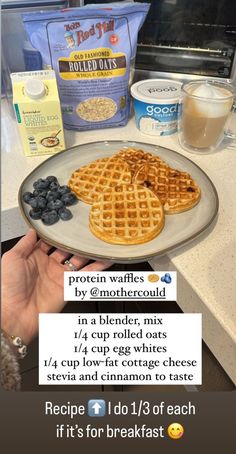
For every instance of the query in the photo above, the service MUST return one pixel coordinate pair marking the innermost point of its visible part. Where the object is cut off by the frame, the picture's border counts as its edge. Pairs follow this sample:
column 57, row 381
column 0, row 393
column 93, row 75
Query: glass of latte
column 206, row 105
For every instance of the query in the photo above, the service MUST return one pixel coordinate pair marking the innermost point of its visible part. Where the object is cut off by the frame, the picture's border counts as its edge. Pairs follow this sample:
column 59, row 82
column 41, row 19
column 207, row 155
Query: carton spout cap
column 35, row 88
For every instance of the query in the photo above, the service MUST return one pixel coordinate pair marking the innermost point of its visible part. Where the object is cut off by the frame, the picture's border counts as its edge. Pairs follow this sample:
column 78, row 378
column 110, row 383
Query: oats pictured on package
column 92, row 50
column 97, row 109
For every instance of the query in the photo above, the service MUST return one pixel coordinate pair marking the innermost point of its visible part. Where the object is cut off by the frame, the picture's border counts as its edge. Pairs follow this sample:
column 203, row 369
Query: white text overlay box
column 120, row 286
column 120, row 349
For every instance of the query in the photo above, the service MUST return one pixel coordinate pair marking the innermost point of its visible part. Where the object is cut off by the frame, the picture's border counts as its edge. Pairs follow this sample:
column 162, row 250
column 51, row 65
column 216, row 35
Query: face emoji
column 175, row 430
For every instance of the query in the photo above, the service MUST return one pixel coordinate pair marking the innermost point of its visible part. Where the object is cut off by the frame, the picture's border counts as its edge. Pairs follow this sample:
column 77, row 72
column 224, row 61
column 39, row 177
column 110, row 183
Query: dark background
column 25, row 429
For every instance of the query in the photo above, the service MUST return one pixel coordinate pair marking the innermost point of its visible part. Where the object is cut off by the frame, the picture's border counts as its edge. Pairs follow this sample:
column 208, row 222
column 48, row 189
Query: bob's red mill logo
column 78, row 36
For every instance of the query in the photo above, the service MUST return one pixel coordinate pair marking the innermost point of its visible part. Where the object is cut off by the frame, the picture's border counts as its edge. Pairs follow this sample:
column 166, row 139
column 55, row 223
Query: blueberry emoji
column 168, row 278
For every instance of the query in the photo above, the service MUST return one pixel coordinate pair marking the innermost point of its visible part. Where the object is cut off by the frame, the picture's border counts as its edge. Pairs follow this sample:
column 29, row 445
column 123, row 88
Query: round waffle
column 89, row 181
column 126, row 214
column 135, row 158
column 177, row 190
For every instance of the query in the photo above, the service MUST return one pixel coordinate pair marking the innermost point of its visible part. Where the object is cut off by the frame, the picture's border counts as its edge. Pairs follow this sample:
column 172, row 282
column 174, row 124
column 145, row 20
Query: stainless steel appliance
column 187, row 39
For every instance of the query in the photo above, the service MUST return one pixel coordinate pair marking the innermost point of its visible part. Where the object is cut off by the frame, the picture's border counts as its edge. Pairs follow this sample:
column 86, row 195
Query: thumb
column 25, row 246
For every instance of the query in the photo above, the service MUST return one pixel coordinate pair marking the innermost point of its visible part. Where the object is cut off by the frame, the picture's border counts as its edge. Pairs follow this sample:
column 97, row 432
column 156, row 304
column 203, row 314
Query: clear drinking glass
column 230, row 127
column 206, row 106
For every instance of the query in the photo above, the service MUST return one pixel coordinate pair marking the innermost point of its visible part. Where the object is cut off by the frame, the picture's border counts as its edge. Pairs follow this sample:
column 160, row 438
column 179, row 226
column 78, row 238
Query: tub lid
column 156, row 90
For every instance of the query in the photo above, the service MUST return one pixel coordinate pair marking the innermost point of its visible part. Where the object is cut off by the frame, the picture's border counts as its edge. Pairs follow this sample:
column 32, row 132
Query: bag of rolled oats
column 92, row 50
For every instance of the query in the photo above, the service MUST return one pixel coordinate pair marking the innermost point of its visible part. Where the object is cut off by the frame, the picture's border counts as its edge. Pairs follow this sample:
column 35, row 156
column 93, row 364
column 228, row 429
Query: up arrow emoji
column 96, row 408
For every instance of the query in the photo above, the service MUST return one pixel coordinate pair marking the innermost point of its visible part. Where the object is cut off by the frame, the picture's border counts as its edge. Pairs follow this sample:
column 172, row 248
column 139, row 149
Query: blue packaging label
column 91, row 51
column 33, row 60
column 156, row 119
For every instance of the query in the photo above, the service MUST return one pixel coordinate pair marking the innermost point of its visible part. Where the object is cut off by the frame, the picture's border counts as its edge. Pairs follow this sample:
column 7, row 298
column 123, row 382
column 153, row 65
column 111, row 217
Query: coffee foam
column 215, row 101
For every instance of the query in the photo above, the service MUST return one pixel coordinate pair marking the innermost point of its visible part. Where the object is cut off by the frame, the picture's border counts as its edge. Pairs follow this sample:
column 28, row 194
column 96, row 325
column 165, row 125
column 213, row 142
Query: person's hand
column 33, row 282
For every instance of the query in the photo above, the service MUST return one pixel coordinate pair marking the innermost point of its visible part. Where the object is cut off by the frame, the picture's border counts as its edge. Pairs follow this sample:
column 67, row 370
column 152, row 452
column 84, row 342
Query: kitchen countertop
column 206, row 267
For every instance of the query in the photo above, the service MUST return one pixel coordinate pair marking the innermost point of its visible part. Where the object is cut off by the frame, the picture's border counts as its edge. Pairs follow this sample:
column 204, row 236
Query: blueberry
column 50, row 217
column 42, row 202
column 52, row 195
column 69, row 199
column 163, row 279
column 41, row 184
column 27, row 196
column 35, row 214
column 38, row 202
column 64, row 190
column 35, row 184
column 54, row 185
column 34, row 202
column 42, row 193
column 55, row 205
column 65, row 214
column 51, row 178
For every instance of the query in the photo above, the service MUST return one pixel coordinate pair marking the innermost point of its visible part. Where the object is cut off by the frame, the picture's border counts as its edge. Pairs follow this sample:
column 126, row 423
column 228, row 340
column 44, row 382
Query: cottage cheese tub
column 156, row 106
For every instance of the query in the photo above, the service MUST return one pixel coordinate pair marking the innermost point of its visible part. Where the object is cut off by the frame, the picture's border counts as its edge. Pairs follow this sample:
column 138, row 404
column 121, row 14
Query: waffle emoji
column 177, row 190
column 89, row 181
column 153, row 277
column 126, row 214
column 135, row 158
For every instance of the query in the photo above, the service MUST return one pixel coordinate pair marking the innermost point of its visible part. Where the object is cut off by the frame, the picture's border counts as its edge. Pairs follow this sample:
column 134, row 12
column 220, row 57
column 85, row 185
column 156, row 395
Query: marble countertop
column 206, row 267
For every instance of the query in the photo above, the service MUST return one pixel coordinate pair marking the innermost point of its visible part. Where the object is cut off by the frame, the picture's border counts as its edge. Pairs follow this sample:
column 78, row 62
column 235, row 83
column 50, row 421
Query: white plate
column 74, row 235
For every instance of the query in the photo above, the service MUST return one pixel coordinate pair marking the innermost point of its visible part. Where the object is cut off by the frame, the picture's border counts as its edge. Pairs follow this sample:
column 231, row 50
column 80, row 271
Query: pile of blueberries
column 49, row 201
